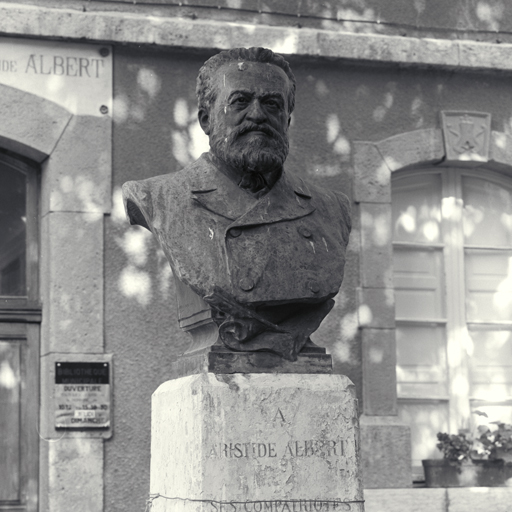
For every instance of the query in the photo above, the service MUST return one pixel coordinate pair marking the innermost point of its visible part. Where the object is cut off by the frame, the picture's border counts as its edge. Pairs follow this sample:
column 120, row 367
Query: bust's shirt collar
column 256, row 185
column 288, row 199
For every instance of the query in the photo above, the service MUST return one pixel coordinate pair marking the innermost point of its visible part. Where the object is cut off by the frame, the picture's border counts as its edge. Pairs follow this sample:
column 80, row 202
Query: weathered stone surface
column 379, row 375
column 488, row 56
column 385, row 452
column 462, row 144
column 408, row 500
column 31, row 126
column 139, row 28
column 468, row 499
column 495, row 499
column 72, row 282
column 74, row 478
column 376, row 308
column 77, row 177
column 500, row 150
column 376, row 264
column 372, row 177
column 256, row 438
column 418, row 146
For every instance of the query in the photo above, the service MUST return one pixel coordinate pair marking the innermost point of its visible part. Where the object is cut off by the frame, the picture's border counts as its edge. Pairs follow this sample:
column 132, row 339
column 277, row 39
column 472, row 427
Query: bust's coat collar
column 288, row 199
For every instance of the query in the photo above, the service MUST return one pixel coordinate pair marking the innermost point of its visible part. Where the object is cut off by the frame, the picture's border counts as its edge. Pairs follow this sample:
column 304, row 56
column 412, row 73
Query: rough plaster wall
column 154, row 125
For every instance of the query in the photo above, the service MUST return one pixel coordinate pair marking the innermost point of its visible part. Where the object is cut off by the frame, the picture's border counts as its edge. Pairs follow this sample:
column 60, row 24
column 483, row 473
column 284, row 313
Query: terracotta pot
column 481, row 473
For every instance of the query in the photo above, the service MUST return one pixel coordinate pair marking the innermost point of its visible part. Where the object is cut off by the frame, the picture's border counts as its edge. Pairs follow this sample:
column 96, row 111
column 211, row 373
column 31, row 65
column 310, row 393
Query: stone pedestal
column 255, row 443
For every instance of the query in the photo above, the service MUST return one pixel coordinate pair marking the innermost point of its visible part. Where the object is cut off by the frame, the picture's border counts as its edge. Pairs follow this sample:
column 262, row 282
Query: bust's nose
column 255, row 112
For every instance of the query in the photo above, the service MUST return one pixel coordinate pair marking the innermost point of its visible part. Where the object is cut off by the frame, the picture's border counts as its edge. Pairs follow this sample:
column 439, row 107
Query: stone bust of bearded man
column 252, row 246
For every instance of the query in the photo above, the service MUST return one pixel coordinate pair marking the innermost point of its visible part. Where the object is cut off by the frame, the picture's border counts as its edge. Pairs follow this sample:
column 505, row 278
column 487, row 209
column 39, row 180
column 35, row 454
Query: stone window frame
column 373, row 164
column 74, row 155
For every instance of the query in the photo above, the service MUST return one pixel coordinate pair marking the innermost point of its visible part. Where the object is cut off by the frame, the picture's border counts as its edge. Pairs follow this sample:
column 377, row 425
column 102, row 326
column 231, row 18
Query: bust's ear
column 204, row 120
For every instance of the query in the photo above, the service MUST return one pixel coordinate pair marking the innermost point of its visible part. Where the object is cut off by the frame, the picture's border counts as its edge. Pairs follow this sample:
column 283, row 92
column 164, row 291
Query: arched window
column 452, row 246
column 19, row 334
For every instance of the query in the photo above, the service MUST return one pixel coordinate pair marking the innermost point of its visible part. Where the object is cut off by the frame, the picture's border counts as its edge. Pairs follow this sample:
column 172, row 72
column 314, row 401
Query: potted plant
column 481, row 461
column 498, row 441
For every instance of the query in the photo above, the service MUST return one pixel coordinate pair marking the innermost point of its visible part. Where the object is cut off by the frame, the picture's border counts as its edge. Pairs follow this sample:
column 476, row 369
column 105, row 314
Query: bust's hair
column 205, row 88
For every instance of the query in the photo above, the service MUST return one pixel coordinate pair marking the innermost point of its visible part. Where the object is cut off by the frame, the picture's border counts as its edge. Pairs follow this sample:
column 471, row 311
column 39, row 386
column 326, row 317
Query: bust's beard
column 259, row 155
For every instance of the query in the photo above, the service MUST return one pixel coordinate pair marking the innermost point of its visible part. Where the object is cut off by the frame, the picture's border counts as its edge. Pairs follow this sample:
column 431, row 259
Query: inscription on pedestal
column 311, row 448
column 282, row 506
column 255, row 443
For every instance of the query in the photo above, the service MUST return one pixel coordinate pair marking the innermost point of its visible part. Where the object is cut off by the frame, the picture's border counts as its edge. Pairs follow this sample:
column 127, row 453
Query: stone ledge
column 405, row 500
column 464, row 499
column 133, row 28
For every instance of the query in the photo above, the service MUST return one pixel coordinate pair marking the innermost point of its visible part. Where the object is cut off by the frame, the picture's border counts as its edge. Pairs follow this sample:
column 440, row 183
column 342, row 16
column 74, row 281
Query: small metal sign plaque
column 82, row 395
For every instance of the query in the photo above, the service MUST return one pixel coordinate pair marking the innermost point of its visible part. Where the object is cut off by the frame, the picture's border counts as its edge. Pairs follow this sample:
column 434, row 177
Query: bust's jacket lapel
column 218, row 194
column 294, row 230
column 289, row 199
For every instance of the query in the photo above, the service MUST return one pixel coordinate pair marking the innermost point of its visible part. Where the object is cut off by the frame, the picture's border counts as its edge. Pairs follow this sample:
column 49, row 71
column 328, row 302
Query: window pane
column 491, row 363
column 488, row 285
column 416, row 209
column 418, row 283
column 12, row 231
column 421, row 361
column 9, row 420
column 494, row 412
column 487, row 218
column 426, row 419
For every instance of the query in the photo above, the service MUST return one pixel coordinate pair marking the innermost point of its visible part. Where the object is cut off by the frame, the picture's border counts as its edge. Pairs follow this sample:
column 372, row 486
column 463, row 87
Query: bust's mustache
column 253, row 127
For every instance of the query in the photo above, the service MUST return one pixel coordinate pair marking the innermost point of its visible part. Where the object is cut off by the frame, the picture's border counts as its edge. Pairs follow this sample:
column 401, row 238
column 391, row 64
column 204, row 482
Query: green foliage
column 496, row 441
column 456, row 448
column 492, row 443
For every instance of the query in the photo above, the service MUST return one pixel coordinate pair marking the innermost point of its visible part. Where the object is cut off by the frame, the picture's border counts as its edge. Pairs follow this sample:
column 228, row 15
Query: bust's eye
column 240, row 101
column 272, row 103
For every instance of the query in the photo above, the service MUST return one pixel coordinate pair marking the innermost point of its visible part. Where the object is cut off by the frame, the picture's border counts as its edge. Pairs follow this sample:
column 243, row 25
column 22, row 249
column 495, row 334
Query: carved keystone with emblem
column 466, row 136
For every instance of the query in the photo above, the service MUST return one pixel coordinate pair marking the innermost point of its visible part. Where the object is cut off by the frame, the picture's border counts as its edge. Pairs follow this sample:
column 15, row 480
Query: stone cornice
column 134, row 28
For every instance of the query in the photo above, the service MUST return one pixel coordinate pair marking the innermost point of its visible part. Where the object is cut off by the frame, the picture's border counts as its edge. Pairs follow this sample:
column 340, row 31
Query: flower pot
column 481, row 473
column 505, row 455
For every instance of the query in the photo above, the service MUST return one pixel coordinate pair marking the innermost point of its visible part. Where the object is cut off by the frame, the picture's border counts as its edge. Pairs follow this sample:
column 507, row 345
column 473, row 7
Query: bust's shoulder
column 332, row 203
column 333, row 198
column 187, row 177
column 143, row 197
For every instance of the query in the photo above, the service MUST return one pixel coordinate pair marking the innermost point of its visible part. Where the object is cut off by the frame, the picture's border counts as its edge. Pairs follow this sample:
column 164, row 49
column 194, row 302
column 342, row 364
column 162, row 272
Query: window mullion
column 456, row 329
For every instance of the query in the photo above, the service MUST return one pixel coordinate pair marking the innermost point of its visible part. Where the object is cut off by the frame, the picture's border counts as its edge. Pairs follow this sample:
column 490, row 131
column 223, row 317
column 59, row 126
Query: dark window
column 19, row 335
